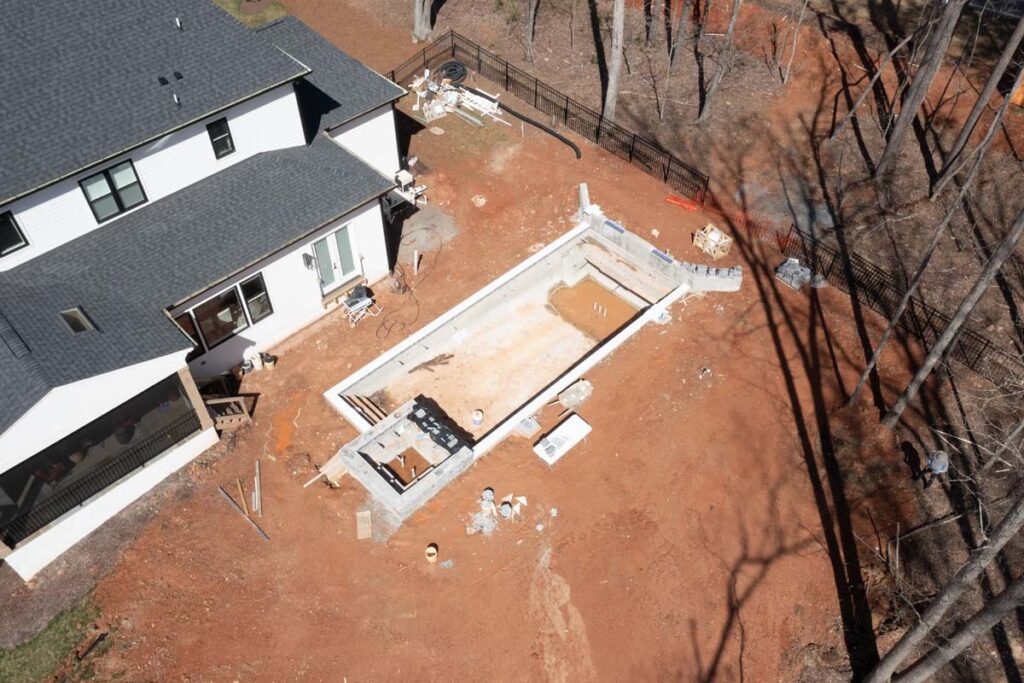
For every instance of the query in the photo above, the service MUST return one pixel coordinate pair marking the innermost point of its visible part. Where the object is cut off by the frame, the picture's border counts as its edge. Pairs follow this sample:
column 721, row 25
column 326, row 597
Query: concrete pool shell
column 511, row 347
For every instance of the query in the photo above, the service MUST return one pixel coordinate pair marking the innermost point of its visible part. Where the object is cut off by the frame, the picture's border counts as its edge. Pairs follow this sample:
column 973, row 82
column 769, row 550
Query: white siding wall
column 294, row 290
column 75, row 405
column 60, row 213
column 372, row 138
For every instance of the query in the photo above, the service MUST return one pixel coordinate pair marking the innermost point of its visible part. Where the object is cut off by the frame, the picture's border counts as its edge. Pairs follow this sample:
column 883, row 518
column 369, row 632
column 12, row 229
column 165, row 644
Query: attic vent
column 177, row 23
column 162, row 80
column 10, row 336
column 178, row 76
column 76, row 320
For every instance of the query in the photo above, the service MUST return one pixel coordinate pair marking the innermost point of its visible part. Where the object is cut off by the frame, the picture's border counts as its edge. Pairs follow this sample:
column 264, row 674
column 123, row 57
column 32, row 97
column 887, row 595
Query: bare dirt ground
column 718, row 523
column 698, row 534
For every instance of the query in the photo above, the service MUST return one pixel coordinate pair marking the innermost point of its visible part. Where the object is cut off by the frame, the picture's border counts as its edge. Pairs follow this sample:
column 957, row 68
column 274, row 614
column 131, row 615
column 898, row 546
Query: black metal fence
column 854, row 275
column 642, row 152
column 116, row 468
column 879, row 290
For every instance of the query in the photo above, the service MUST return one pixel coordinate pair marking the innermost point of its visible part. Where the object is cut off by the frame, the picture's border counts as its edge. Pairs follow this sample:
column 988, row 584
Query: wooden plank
column 364, row 524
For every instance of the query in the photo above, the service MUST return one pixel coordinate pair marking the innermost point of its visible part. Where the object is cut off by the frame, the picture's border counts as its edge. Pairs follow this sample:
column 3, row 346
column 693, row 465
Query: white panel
column 60, row 213
column 75, row 405
column 372, row 138
column 294, row 290
column 55, row 539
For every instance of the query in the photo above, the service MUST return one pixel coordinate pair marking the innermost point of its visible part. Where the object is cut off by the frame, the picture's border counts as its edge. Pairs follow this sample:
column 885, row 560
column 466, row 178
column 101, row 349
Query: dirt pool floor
column 704, row 530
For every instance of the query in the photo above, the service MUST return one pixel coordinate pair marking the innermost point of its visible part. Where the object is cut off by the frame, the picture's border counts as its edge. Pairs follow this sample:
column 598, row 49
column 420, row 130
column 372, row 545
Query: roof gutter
column 155, row 137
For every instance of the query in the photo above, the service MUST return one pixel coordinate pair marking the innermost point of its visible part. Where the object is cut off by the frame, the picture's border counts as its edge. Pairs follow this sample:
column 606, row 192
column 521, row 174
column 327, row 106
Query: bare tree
column 722, row 62
column 938, row 350
column 950, row 593
column 933, row 243
column 916, row 93
column 983, row 99
column 655, row 21
column 611, row 95
column 796, row 37
column 975, row 627
column 531, row 26
column 871, row 84
column 979, row 152
column 673, row 52
column 421, row 20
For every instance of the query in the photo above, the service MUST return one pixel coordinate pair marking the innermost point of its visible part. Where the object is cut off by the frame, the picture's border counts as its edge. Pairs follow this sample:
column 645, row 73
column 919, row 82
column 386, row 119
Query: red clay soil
column 699, row 531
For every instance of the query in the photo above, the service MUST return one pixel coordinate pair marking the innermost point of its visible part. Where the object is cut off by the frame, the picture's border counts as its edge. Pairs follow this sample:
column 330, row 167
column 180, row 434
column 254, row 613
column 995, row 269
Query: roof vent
column 162, row 80
column 177, row 100
column 177, row 22
column 178, row 76
column 76, row 320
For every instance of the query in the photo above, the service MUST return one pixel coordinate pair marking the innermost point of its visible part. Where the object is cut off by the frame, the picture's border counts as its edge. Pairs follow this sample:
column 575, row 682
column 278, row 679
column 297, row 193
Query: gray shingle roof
column 126, row 273
column 351, row 87
column 79, row 80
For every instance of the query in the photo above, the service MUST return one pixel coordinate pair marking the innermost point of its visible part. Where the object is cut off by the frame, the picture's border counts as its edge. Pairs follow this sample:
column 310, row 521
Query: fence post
column 632, row 144
column 451, row 39
column 535, row 93
column 506, row 74
column 566, row 121
column 479, row 62
column 668, row 167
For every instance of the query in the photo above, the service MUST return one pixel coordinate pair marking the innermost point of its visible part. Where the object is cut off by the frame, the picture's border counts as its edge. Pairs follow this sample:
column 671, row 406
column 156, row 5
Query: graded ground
column 711, row 527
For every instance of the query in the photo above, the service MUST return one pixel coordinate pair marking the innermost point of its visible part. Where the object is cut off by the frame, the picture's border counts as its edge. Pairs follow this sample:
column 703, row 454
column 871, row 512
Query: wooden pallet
column 363, row 405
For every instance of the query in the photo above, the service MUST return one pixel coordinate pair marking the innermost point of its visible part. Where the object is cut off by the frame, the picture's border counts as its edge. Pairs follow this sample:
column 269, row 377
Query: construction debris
column 793, row 274
column 238, row 509
column 712, row 241
column 364, row 525
column 437, row 96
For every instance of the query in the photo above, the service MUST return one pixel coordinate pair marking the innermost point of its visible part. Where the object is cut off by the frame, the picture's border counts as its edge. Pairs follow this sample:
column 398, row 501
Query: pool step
column 363, row 405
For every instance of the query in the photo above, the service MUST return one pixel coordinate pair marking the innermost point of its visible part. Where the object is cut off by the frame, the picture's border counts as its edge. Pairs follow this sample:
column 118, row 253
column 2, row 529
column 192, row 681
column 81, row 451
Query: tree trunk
column 975, row 627
column 922, row 81
column 421, row 20
column 611, row 96
column 724, row 56
column 531, row 27
column 871, row 84
column 983, row 99
column 979, row 153
column 1001, row 253
column 655, row 22
column 796, row 37
column 951, row 592
column 932, row 244
column 677, row 37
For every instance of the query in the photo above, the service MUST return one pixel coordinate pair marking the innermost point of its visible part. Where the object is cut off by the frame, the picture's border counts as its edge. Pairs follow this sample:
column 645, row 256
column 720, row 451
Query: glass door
column 334, row 259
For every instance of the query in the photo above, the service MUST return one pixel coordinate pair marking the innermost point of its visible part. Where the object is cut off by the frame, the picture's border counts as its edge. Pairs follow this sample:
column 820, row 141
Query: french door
column 334, row 260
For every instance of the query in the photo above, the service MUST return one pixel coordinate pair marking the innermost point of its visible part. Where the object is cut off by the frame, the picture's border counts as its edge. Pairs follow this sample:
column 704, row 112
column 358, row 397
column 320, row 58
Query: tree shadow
column 435, row 9
column 599, row 53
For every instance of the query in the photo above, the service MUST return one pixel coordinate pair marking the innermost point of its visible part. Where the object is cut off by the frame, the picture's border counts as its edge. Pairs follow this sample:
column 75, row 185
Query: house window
column 220, row 138
column 76, row 320
column 225, row 315
column 221, row 318
column 113, row 191
column 254, row 291
column 11, row 237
